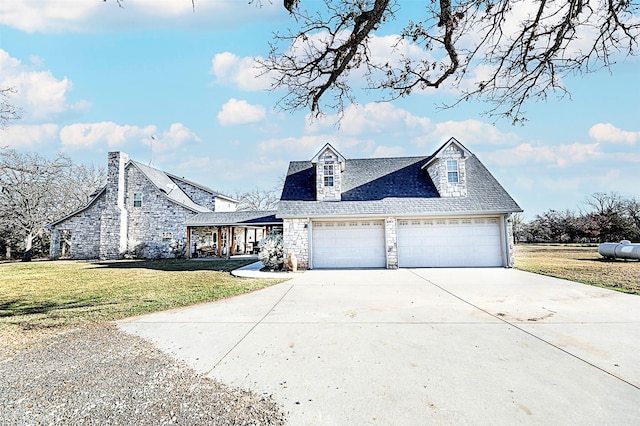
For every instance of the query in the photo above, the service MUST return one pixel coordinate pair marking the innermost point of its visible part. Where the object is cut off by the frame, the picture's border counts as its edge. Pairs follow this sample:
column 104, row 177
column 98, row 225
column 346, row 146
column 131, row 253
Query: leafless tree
column 258, row 200
column 8, row 111
column 34, row 191
column 503, row 52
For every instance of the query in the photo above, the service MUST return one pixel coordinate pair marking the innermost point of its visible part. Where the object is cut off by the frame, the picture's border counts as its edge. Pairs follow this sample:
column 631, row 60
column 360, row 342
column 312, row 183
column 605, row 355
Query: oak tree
column 502, row 52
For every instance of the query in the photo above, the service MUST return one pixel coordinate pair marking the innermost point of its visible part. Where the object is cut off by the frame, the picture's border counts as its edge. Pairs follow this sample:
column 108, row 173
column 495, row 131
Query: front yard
column 581, row 264
column 38, row 299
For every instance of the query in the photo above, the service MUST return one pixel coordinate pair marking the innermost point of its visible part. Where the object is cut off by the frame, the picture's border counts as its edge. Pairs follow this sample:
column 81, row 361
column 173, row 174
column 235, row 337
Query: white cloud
column 242, row 72
column 240, row 112
column 372, row 117
column 28, row 136
column 113, row 135
column 382, row 151
column 560, row 156
column 178, row 134
column 87, row 135
column 471, row 131
column 607, row 132
column 94, row 16
column 41, row 95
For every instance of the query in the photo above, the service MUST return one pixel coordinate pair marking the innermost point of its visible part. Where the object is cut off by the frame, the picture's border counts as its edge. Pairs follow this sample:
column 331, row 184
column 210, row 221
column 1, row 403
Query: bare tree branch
column 525, row 50
column 8, row 111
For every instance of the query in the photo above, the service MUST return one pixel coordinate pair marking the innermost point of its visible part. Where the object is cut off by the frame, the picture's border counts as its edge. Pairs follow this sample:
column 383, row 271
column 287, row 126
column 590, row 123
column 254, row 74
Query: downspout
column 310, row 243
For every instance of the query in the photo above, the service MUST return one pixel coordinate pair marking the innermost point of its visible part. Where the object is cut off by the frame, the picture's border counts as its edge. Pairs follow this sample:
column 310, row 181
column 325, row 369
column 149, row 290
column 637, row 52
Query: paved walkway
column 254, row 271
column 415, row 347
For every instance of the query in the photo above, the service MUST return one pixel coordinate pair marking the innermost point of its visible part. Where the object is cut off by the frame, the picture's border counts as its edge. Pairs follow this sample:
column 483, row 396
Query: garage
column 348, row 244
column 449, row 243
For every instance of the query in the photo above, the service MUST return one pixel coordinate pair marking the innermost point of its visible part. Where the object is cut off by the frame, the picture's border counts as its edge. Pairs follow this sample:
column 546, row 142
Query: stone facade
column 85, row 232
column 328, row 160
column 295, row 234
column 204, row 197
column 391, row 242
column 131, row 214
column 113, row 218
column 157, row 222
column 510, row 243
column 438, row 173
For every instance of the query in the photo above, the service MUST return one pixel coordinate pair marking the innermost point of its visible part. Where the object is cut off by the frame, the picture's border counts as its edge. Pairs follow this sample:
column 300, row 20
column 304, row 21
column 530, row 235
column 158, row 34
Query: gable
column 165, row 185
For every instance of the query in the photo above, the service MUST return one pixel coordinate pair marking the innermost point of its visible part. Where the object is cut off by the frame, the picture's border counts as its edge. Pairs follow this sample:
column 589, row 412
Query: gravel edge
column 104, row 376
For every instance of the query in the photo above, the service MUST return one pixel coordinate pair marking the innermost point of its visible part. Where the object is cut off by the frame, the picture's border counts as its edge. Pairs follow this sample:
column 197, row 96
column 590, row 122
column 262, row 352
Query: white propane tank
column 625, row 249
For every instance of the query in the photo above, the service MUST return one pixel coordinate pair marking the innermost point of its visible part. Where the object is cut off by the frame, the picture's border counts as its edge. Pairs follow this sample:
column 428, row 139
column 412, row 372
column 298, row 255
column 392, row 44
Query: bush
column 272, row 252
column 178, row 249
column 137, row 252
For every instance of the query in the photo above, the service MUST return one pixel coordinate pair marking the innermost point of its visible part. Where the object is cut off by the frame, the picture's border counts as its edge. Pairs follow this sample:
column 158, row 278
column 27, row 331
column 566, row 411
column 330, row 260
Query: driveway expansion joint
column 250, row 330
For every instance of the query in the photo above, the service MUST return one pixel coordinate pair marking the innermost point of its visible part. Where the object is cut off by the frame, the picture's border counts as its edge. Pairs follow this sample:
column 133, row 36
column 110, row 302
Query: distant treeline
column 605, row 217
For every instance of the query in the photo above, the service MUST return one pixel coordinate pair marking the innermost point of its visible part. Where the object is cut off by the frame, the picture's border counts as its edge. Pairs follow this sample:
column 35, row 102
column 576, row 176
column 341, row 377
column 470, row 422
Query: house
column 140, row 209
column 442, row 210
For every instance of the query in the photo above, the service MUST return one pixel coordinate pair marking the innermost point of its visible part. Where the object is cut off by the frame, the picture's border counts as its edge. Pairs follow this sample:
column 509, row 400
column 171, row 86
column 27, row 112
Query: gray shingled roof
column 168, row 187
column 258, row 218
column 392, row 186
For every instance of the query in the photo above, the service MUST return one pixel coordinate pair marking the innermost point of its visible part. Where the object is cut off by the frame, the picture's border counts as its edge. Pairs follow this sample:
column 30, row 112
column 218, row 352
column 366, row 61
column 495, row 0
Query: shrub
column 178, row 249
column 137, row 252
column 272, row 252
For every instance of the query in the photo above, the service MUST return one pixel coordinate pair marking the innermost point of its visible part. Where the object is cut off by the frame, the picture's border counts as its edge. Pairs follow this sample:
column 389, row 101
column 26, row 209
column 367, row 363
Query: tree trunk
column 28, row 241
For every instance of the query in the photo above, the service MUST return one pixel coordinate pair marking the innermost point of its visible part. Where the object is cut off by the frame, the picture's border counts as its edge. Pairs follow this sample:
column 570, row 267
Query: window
column 137, row 199
column 452, row 171
column 328, row 175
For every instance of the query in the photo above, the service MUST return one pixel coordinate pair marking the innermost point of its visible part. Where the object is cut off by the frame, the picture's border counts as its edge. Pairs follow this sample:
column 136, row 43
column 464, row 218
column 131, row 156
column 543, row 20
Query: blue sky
column 94, row 78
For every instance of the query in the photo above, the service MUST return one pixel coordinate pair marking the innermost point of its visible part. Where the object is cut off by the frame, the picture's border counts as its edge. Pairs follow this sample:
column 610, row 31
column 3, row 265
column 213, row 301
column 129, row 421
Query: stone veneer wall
column 510, row 244
column 85, row 232
column 438, row 173
column 158, row 215
column 391, row 242
column 198, row 195
column 113, row 218
column 295, row 237
column 328, row 193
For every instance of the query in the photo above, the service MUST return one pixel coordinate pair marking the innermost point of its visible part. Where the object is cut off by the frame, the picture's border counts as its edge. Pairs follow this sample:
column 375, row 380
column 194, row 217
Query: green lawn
column 58, row 296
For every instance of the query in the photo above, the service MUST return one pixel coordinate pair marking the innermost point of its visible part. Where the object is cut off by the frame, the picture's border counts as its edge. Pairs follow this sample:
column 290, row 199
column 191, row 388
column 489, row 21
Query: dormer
column 447, row 170
column 329, row 165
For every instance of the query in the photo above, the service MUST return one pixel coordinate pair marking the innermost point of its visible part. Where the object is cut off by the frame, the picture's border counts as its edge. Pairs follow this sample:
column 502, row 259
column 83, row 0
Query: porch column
column 189, row 243
column 219, row 231
column 246, row 231
column 232, row 251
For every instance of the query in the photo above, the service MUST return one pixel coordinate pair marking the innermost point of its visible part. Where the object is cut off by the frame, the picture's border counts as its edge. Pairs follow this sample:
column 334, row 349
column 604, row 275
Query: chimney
column 113, row 222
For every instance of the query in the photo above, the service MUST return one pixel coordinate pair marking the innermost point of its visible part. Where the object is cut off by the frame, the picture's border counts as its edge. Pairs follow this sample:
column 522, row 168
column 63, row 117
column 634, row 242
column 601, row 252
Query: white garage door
column 449, row 243
column 348, row 244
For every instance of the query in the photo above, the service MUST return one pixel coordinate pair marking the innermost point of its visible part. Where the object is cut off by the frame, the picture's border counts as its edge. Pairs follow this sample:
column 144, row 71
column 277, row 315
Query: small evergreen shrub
column 272, row 252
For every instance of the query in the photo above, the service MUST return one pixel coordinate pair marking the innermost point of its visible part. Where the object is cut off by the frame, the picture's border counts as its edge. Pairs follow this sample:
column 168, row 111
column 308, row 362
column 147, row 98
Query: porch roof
column 249, row 218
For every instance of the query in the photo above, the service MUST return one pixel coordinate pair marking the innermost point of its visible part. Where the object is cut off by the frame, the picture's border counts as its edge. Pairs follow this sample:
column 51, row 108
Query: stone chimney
column 113, row 221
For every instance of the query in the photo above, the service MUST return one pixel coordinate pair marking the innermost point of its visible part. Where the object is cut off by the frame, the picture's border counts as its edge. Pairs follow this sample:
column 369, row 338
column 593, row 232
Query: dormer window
column 328, row 175
column 452, row 171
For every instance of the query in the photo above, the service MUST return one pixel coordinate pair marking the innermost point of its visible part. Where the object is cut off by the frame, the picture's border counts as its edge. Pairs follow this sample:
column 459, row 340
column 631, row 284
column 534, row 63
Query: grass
column 581, row 264
column 41, row 298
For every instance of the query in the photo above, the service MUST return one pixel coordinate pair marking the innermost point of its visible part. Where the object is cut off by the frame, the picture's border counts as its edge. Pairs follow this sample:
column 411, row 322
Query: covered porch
column 227, row 234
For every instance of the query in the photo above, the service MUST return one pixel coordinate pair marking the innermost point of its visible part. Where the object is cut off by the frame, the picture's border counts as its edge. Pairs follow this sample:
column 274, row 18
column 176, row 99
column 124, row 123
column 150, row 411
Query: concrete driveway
column 419, row 346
